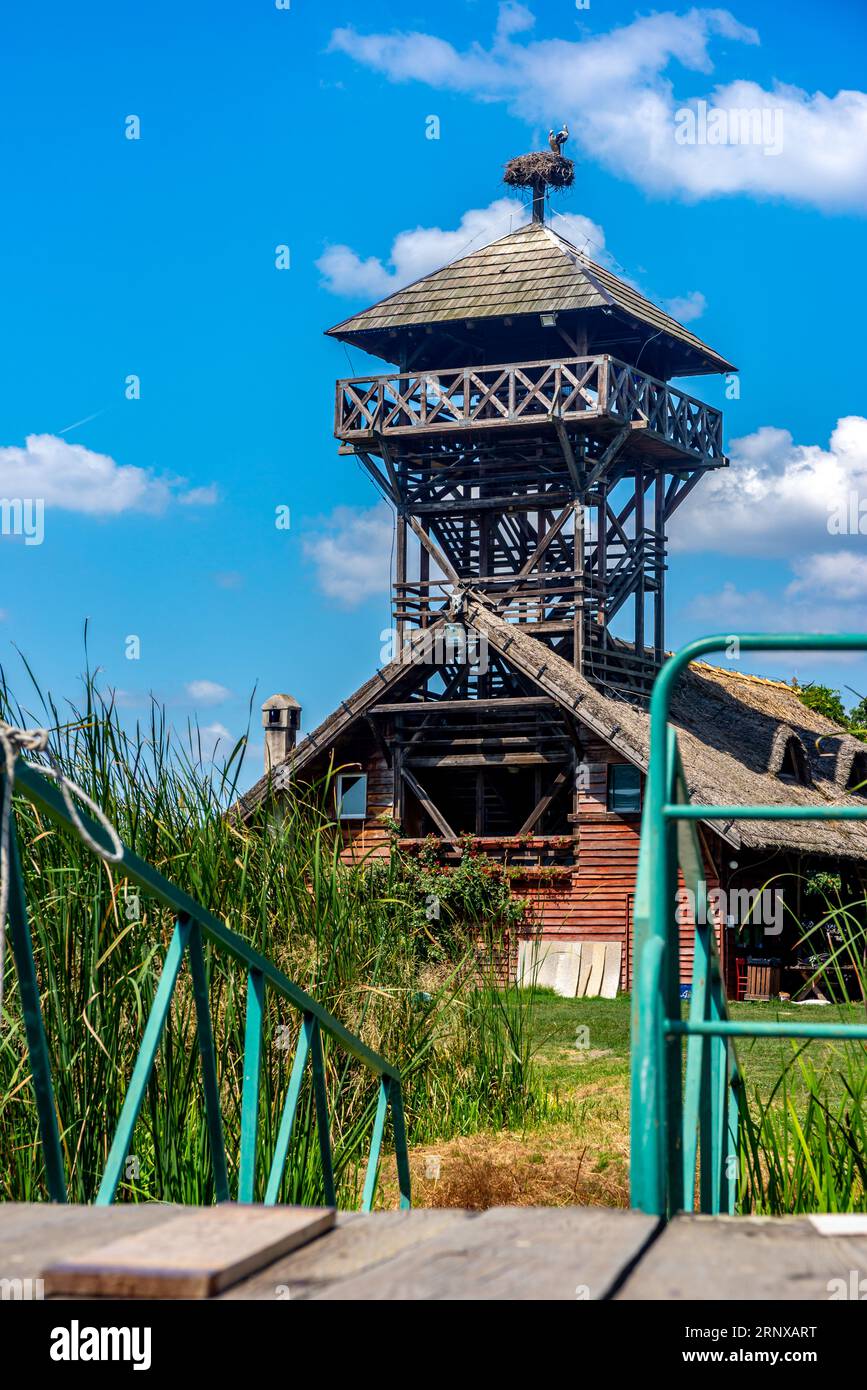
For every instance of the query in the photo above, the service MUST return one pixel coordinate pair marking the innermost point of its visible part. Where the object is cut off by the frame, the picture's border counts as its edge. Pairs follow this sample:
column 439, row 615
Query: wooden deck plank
column 193, row 1255
column 750, row 1258
column 35, row 1234
column 564, row 1253
column 357, row 1245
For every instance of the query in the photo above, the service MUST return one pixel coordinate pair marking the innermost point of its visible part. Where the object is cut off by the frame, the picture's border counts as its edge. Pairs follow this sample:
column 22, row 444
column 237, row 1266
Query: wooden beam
column 553, row 530
column 436, row 816
column 504, row 702
column 377, row 477
column 389, row 463
column 487, row 760
column 435, row 553
column 608, row 457
column 539, row 810
column 568, row 452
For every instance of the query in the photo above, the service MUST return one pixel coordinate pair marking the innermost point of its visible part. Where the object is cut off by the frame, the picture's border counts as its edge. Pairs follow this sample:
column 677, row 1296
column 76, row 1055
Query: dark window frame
column 630, row 775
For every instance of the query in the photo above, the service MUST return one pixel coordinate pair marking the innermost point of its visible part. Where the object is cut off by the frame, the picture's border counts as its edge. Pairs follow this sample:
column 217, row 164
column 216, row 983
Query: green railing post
column 372, row 1169
column 323, row 1125
column 400, row 1149
column 34, row 1027
column 209, row 1064
column 290, row 1107
column 661, row 1177
column 141, row 1073
column 250, row 1092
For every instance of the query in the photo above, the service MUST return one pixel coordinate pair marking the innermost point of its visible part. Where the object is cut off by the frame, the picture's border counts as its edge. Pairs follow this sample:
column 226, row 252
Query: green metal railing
column 685, row 1126
column 193, row 926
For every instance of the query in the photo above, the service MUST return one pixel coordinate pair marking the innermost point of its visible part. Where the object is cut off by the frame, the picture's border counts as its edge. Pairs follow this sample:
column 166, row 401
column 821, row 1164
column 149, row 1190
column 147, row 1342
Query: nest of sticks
column 542, row 166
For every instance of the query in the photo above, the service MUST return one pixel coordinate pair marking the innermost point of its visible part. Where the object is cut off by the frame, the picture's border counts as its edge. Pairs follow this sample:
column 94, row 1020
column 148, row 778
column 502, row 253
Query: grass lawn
column 581, row 1047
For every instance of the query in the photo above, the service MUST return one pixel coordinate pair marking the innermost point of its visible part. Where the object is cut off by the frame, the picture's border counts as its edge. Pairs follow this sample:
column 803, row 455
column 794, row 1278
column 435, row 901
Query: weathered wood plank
column 357, row 1244
column 193, row 1255
column 737, row 1257
column 36, row 1234
column 564, row 1253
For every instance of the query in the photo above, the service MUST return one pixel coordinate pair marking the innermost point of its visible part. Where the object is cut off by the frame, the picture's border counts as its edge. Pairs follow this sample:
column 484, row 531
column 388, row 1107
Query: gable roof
column 532, row 270
column 728, row 726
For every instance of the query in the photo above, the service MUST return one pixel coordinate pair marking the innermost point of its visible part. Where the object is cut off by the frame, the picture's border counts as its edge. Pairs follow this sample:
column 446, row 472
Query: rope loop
column 14, row 741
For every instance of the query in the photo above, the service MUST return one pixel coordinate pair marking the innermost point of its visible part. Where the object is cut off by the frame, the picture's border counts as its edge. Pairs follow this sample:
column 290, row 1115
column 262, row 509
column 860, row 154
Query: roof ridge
column 742, row 675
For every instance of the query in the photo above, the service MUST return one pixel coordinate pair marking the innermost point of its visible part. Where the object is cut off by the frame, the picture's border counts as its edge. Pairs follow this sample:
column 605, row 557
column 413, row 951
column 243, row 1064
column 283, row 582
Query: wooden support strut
column 436, row 816
column 541, row 807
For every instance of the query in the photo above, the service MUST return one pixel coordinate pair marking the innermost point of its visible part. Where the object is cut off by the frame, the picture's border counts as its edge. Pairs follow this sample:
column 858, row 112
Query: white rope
column 12, row 742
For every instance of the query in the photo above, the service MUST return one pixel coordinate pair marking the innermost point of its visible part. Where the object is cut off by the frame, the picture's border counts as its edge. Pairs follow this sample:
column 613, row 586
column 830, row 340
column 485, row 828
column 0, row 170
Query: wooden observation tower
column 531, row 443
column 534, row 451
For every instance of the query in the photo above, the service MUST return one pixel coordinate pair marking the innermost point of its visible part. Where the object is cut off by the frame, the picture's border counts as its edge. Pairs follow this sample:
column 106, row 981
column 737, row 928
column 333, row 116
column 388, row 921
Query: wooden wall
column 593, row 901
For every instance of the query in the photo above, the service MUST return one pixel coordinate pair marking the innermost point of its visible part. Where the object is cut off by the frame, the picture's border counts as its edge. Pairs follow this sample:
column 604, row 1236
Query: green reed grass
column 804, row 1140
column 350, row 936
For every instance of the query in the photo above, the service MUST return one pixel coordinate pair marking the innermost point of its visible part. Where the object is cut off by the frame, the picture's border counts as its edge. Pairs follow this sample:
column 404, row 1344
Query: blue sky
column 306, row 127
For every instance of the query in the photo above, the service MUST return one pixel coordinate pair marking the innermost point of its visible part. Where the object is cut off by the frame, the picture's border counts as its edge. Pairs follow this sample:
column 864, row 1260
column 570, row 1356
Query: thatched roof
column 732, row 731
column 534, row 271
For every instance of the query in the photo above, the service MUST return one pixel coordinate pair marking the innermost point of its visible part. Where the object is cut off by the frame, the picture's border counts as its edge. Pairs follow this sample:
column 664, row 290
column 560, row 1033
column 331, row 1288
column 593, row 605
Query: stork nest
column 542, row 166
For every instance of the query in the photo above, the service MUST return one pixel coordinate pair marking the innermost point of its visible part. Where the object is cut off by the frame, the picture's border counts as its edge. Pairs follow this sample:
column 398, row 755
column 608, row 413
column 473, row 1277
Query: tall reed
column 350, row 936
column 804, row 1142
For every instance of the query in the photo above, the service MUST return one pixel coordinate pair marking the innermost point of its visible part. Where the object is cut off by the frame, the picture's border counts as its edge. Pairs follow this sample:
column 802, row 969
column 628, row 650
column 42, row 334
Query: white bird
column 557, row 141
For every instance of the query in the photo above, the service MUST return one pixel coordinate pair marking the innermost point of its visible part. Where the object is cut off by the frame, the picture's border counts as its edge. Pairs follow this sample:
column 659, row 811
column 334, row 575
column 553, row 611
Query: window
column 793, row 765
column 624, row 788
column 351, row 795
column 856, row 784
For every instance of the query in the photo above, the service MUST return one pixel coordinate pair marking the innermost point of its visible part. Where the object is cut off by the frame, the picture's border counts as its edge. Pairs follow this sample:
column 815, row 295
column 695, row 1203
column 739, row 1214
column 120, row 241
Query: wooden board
column 190, row 1256
column 36, row 1234
column 586, row 967
column 748, row 1257
column 611, row 970
column 594, row 983
column 568, row 970
column 357, row 1243
column 541, row 1253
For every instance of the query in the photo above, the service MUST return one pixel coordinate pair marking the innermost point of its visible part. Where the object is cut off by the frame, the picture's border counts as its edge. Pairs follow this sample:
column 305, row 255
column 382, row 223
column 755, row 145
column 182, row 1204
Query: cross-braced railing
column 687, row 1130
column 194, row 925
column 521, row 393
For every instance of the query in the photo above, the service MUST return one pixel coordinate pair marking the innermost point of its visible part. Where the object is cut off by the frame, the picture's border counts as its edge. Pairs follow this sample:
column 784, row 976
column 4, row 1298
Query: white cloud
column 417, row 252
column 616, row 90
column 200, row 496
column 777, row 496
column 211, row 737
column 733, row 609
column 841, row 575
column 351, row 551
column 205, row 692
column 687, row 308
column 76, row 479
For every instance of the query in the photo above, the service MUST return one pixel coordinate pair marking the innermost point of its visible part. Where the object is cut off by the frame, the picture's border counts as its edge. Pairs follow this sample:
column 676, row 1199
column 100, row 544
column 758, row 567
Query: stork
column 557, row 141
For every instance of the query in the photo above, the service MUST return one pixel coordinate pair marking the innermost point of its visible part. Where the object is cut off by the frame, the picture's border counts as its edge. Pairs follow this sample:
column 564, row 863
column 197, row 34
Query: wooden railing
column 518, row 394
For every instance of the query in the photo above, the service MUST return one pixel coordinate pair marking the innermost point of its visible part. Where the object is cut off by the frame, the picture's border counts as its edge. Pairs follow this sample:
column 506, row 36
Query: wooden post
column 424, row 582
column 578, row 564
column 539, row 200
column 400, row 578
column 658, row 541
column 639, row 561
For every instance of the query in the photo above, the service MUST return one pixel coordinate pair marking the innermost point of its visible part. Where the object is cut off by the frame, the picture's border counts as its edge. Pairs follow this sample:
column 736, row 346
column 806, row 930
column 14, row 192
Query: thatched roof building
column 743, row 739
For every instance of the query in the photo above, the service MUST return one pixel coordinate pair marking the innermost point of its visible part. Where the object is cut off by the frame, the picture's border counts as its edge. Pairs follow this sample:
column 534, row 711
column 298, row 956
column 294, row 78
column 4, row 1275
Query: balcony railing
column 526, row 393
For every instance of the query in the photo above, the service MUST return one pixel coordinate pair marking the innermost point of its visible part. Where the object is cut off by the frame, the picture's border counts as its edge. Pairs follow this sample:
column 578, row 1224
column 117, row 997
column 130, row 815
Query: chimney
column 281, row 720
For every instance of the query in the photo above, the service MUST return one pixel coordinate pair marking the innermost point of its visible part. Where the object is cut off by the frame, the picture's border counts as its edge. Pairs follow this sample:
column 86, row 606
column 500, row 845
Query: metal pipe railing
column 194, row 924
column 687, row 1129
